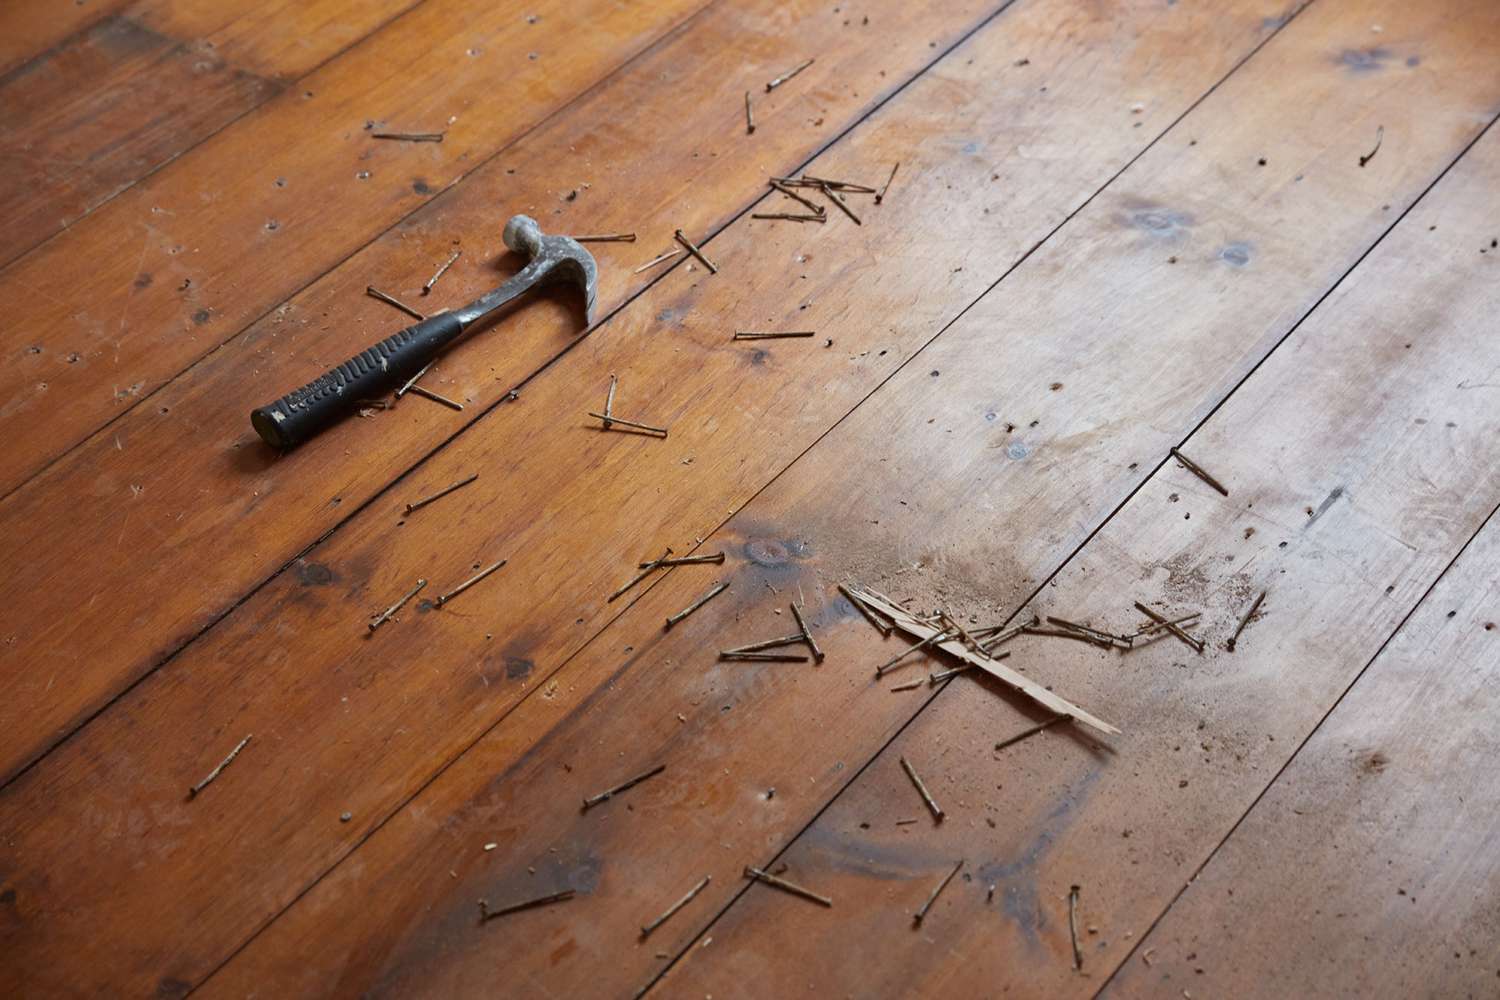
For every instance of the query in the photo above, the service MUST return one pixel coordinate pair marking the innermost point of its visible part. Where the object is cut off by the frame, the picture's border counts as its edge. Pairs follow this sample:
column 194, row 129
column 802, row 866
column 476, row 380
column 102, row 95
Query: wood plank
column 1375, row 851
column 92, row 116
column 728, row 735
column 28, row 28
column 317, row 755
column 111, row 308
column 104, row 108
column 1360, row 407
column 225, row 483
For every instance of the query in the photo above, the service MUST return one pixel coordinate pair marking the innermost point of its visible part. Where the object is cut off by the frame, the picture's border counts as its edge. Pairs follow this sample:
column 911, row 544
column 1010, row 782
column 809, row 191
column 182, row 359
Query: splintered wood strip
column 908, row 623
column 883, row 627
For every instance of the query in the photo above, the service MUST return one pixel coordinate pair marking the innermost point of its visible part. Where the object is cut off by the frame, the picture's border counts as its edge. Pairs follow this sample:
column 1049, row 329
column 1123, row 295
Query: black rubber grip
column 368, row 375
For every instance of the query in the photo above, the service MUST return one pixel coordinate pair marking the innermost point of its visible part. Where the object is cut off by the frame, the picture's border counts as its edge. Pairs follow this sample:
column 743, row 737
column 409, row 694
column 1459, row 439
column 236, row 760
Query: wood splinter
column 693, row 249
column 656, row 260
column 713, row 592
column 1073, row 926
column 749, row 116
column 1245, row 621
column 594, row 800
column 646, row 929
column 485, row 913
column 391, row 300
column 193, row 792
column 442, row 270
column 916, row 918
column 783, row 78
column 390, row 612
column 444, row 599
column 1196, row 644
column 933, row 807
column 943, row 675
column 1197, row 470
column 807, row 635
column 419, row 504
column 785, row 886
column 908, row 686
column 864, row 609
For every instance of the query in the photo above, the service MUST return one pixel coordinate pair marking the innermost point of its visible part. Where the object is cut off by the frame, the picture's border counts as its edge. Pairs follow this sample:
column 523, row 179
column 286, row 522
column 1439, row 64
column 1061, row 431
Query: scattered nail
column 1197, row 470
column 468, row 583
column 692, row 249
column 646, row 929
column 911, row 772
column 773, row 335
column 783, row 78
column 917, row 917
column 193, row 792
column 409, row 136
column 610, row 420
column 418, row 504
column 391, row 300
column 1245, row 621
column 657, row 260
column 807, row 633
column 606, row 238
column 429, row 394
column 391, row 611
column 880, row 195
column 594, row 800
column 1023, row 734
column 441, row 271
column 783, row 884
column 713, row 592
column 485, row 913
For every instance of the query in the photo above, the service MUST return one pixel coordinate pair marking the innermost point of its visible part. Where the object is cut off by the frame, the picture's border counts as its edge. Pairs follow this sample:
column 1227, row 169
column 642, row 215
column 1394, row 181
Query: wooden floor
column 1261, row 234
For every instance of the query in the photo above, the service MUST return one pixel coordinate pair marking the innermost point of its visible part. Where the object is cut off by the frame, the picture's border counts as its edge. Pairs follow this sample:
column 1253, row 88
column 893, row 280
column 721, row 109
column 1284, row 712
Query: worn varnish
column 1008, row 424
column 107, row 311
column 601, row 477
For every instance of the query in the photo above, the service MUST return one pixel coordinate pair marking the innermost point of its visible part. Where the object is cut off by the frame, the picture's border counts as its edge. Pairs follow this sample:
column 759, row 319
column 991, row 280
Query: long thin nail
column 716, row 557
column 485, row 913
column 833, row 196
column 882, row 627
column 594, row 800
column 409, row 136
column 809, row 204
column 755, row 647
column 880, row 195
column 418, row 504
column 729, row 657
column 911, row 772
column 429, row 394
column 646, row 929
column 646, row 570
column 693, row 249
column 391, row 300
column 413, row 380
column 785, row 886
column 1023, row 734
column 917, row 917
column 773, row 335
column 1196, row 644
column 807, row 633
column 713, row 592
column 193, row 792
column 1245, row 621
column 609, row 400
column 468, row 583
column 1197, row 470
column 1073, row 926
column 442, row 269
column 783, row 78
column 390, row 612
column 890, row 664
column 606, row 238
column 788, row 217
column 610, row 420
column 848, row 186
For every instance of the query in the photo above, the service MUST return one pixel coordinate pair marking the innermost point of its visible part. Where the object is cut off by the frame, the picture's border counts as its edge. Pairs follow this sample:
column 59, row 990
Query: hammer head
column 558, row 257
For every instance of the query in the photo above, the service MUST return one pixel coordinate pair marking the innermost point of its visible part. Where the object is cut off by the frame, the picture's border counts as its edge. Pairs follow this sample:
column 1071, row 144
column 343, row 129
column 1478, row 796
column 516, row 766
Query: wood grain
column 28, row 28
column 113, row 307
column 104, row 108
column 217, row 480
column 1374, row 853
column 752, row 754
column 1360, row 405
column 408, row 709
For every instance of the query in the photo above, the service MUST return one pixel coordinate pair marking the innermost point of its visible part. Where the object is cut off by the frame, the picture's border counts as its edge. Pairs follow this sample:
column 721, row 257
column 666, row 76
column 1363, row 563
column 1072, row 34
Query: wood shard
column 656, row 260
column 193, row 792
column 909, row 686
column 883, row 627
column 485, row 913
column 912, row 625
column 917, row 917
column 785, row 886
column 646, row 929
column 713, row 592
column 1197, row 470
column 605, row 796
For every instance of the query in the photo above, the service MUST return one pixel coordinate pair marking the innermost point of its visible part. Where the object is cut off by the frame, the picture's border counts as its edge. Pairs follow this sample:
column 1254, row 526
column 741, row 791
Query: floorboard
column 219, row 686
column 1108, row 236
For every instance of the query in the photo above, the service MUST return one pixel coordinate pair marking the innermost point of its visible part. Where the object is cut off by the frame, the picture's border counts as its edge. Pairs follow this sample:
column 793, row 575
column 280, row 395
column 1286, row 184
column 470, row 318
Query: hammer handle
column 368, row 375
